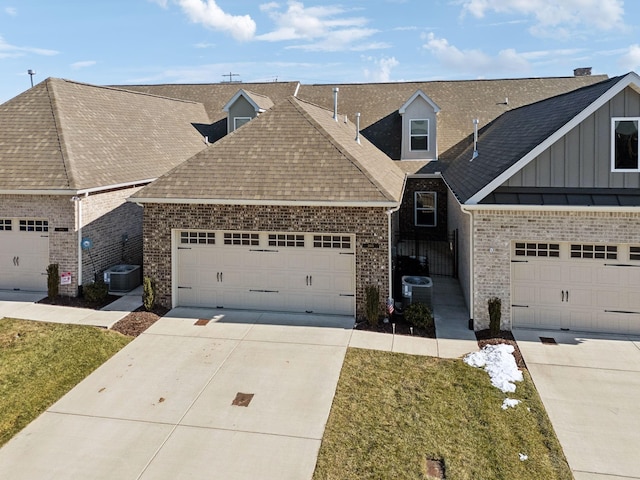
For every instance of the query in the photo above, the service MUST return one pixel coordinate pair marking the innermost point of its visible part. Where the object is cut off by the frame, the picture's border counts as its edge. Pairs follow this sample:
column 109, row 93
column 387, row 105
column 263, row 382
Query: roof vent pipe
column 335, row 103
column 475, row 139
column 358, row 127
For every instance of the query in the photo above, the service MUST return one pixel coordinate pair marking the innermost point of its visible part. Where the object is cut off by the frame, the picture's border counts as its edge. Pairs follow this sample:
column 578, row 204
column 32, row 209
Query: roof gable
column 260, row 103
column 94, row 136
column 295, row 152
column 515, row 138
column 421, row 94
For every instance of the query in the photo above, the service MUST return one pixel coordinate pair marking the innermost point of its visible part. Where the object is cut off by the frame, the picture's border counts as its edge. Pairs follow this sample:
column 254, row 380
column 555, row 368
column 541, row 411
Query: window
column 425, row 209
column 634, row 253
column 34, row 226
column 202, row 238
column 624, row 145
column 5, row 224
column 286, row 240
column 239, row 121
column 419, row 135
column 331, row 241
column 241, row 238
column 537, row 250
column 609, row 252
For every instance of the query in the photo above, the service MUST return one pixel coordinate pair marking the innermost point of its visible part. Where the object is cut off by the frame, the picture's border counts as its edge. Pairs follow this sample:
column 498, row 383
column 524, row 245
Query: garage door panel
column 296, row 277
column 24, row 257
column 575, row 291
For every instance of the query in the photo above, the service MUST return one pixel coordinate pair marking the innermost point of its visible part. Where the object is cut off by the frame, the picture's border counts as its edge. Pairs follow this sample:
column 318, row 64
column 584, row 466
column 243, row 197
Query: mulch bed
column 402, row 327
column 132, row 325
column 484, row 338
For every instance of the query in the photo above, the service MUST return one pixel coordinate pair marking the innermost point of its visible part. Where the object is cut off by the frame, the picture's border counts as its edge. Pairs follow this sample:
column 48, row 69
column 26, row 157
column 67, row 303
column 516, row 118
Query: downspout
column 390, row 212
column 78, row 203
column 472, row 296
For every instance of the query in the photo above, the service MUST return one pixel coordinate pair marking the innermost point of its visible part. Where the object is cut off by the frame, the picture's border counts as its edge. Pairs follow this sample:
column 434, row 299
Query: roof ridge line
column 340, row 148
column 64, row 151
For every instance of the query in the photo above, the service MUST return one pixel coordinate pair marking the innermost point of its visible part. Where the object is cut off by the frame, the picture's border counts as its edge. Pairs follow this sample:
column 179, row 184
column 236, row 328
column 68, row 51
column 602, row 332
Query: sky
column 111, row 42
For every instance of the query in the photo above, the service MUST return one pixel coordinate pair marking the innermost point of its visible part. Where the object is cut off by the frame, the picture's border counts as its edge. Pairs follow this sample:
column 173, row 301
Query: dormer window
column 419, row 135
column 239, row 121
column 624, row 144
column 419, row 124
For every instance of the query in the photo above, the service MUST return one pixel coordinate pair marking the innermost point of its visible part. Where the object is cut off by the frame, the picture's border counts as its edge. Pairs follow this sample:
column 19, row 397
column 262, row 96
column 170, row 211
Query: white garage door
column 302, row 272
column 24, row 254
column 576, row 286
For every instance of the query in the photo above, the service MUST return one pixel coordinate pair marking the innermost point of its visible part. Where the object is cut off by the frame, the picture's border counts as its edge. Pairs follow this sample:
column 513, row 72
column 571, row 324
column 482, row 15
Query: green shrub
column 419, row 315
column 53, row 280
column 96, row 292
column 148, row 293
column 495, row 312
column 372, row 307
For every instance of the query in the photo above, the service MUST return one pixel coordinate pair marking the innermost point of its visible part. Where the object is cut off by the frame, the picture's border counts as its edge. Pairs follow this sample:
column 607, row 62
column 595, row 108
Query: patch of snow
column 509, row 402
column 500, row 364
column 523, row 457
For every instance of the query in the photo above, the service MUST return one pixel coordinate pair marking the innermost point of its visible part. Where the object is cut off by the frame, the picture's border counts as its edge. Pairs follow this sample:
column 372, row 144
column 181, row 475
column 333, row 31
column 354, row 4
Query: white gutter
column 74, row 192
column 390, row 212
column 552, row 208
column 78, row 202
column 284, row 203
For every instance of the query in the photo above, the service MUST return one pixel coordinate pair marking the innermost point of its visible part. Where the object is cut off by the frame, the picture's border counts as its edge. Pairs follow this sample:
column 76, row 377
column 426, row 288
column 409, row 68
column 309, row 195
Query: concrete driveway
column 163, row 407
column 590, row 386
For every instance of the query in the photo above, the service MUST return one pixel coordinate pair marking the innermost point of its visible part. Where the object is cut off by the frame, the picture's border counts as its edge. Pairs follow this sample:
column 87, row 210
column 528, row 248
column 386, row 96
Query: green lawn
column 40, row 362
column 392, row 411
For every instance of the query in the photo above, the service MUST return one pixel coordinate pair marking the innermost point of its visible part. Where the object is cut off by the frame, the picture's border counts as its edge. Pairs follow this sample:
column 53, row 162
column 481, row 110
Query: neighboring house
column 550, row 212
column 524, row 189
column 70, row 156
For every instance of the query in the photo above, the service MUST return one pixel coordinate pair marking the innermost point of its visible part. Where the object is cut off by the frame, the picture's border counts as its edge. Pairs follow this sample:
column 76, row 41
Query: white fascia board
column 116, row 186
column 238, row 94
column 38, row 192
column 425, row 175
column 286, row 203
column 631, row 78
column 419, row 93
column 552, row 208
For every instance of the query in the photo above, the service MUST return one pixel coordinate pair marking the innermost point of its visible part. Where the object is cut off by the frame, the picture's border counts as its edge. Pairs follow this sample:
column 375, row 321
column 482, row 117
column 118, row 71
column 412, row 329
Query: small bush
column 96, row 292
column 372, row 300
column 495, row 312
column 53, row 281
column 419, row 315
column 148, row 293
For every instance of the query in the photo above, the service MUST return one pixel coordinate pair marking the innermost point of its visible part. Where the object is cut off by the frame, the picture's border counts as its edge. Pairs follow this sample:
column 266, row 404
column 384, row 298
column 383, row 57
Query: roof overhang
column 551, row 208
column 424, row 96
column 631, row 79
column 284, row 203
column 69, row 191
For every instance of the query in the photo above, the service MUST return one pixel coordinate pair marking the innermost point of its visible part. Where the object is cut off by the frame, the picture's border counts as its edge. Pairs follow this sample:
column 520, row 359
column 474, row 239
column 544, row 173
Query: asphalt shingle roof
column 511, row 136
column 295, row 151
column 68, row 135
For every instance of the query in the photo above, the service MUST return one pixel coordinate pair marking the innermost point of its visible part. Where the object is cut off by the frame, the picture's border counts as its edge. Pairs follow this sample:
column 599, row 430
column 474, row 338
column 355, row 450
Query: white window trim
column 613, row 144
column 415, row 209
column 411, row 135
column 235, row 121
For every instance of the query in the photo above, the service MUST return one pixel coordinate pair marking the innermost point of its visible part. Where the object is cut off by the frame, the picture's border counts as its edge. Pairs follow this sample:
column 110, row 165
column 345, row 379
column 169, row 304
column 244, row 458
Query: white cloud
column 9, row 51
column 555, row 18
column 475, row 61
column 204, row 45
column 11, row 11
column 382, row 73
column 83, row 64
column 325, row 28
column 209, row 14
column 631, row 59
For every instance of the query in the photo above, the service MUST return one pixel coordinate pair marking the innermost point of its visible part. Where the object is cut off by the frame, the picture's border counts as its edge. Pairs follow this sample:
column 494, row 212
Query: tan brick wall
column 368, row 224
column 59, row 211
column 106, row 217
column 497, row 229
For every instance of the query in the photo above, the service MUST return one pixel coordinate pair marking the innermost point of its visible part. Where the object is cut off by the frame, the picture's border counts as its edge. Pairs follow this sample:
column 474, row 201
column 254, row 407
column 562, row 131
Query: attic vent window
column 419, row 134
column 624, row 145
column 239, row 121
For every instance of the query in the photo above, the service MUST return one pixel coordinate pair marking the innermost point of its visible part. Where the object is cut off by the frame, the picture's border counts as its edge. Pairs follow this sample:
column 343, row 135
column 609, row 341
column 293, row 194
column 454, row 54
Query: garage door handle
column 218, row 276
column 562, row 295
column 310, row 280
column 307, row 280
column 567, row 295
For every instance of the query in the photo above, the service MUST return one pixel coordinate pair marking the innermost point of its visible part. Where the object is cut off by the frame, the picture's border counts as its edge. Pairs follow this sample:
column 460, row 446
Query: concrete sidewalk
column 454, row 339
column 24, row 306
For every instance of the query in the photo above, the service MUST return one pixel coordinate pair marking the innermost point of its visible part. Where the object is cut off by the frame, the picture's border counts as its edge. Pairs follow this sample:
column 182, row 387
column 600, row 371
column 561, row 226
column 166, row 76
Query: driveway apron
column 590, row 386
column 201, row 394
